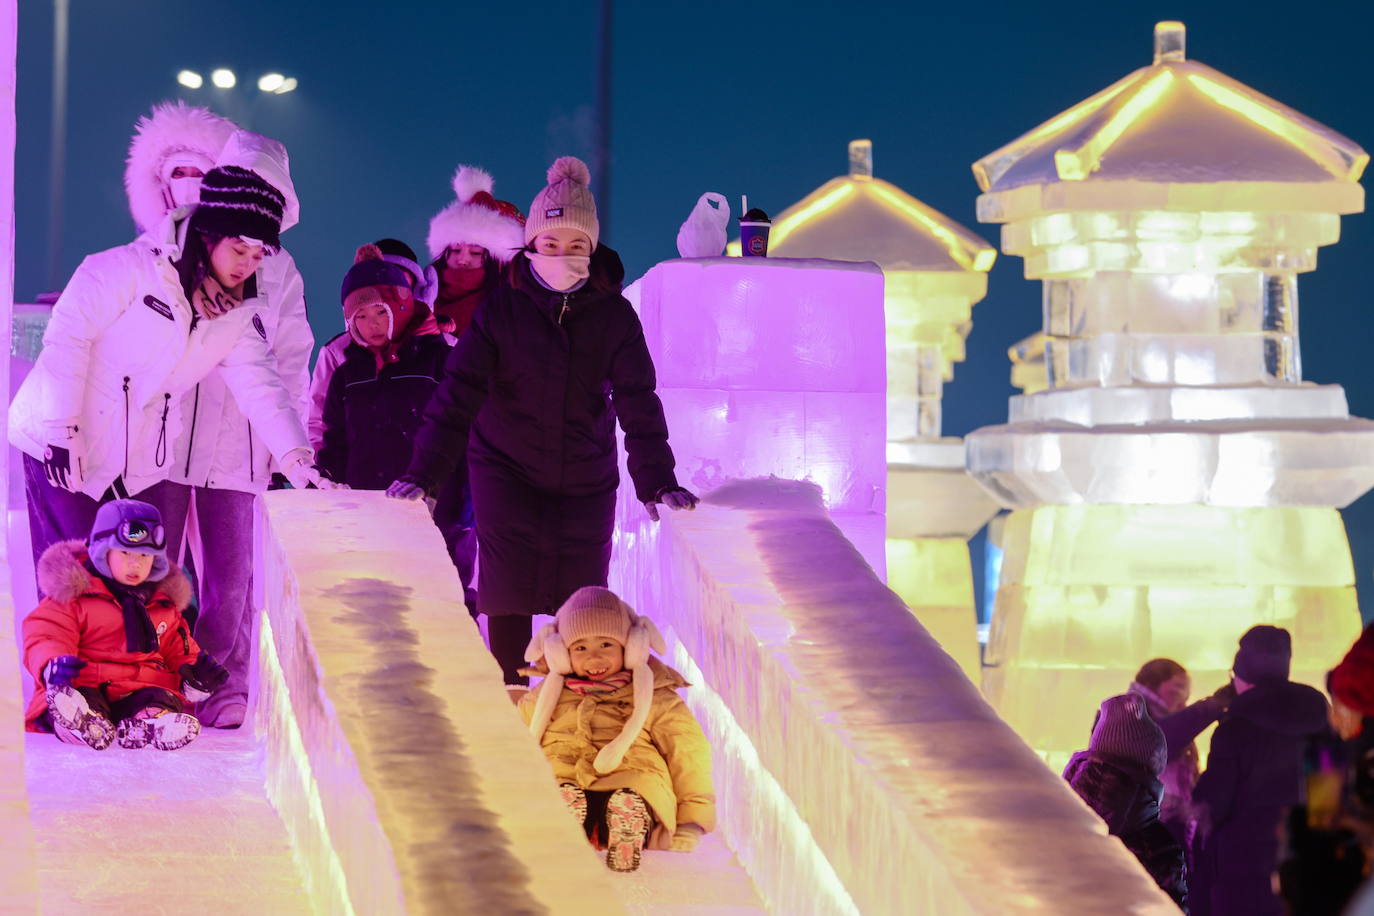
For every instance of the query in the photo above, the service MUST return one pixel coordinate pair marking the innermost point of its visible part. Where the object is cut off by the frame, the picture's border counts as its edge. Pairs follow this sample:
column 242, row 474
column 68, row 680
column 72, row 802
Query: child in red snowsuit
column 108, row 647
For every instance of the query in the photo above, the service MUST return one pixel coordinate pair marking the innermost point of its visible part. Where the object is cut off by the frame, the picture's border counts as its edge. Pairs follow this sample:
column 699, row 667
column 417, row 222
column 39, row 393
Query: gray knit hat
column 567, row 202
column 1125, row 731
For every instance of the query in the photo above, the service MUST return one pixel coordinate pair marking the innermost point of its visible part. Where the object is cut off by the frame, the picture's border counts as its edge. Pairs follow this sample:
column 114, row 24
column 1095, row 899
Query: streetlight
column 271, row 82
column 190, row 79
column 223, row 78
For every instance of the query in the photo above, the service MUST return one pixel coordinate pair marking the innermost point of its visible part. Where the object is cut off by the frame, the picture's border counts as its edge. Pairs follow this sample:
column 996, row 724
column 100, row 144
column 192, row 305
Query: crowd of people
column 173, row 388
column 1282, row 818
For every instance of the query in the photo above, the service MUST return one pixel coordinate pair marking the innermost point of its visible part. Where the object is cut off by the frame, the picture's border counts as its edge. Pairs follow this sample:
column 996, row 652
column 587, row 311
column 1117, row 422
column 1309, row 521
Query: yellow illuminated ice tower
column 934, row 270
column 1176, row 481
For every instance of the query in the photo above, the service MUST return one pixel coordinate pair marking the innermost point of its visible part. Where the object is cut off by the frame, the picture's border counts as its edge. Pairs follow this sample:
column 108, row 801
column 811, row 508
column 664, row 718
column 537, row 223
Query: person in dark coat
column 1165, row 686
column 530, row 397
column 1254, row 774
column 1118, row 777
column 376, row 395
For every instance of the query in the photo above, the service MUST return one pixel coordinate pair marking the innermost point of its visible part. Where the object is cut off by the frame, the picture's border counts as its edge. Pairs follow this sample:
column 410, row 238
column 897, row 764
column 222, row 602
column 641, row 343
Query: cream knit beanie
column 593, row 611
column 567, row 202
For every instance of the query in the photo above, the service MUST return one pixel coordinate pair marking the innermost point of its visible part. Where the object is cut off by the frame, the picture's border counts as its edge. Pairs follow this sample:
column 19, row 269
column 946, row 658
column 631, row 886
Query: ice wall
column 858, row 770
column 407, row 779
column 775, row 366
column 18, row 887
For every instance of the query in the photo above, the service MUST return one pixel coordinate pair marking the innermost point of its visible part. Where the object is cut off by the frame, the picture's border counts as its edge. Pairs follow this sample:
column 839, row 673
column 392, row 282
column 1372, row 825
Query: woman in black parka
column 530, row 397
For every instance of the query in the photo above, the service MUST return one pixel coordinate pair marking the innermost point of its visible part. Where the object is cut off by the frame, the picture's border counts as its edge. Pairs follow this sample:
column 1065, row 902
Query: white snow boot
column 166, row 731
column 73, row 720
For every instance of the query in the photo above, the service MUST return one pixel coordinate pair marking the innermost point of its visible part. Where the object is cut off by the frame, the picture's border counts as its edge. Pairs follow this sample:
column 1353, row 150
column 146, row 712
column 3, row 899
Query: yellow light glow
column 957, row 246
column 1282, row 127
column 1078, row 163
column 1089, row 593
column 993, row 166
column 784, row 227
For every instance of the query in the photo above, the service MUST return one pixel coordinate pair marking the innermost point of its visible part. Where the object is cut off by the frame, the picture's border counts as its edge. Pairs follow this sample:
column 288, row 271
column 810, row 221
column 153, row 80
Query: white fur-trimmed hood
column 172, row 127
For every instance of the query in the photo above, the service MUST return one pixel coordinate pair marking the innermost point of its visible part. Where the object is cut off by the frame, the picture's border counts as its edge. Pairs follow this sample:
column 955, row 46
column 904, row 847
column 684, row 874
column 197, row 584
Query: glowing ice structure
column 1175, row 481
column 934, row 271
column 857, row 769
column 774, row 366
column 18, row 884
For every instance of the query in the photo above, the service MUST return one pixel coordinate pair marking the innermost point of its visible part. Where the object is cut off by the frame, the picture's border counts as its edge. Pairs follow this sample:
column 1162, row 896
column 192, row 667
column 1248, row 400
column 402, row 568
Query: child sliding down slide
column 108, row 647
column 629, row 756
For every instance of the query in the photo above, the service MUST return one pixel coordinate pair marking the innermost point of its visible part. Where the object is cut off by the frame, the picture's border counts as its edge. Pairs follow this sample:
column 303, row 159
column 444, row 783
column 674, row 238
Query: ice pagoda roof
column 857, row 217
column 1175, row 135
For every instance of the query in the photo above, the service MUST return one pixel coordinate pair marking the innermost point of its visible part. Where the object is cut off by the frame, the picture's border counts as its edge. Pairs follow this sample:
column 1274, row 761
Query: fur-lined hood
column 172, row 127
column 63, row 576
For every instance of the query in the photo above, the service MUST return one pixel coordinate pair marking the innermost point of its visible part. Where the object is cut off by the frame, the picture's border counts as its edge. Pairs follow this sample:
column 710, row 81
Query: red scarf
column 460, row 292
column 609, row 684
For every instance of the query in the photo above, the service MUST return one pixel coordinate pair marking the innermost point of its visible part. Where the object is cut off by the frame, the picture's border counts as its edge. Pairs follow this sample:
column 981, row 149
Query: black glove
column 62, row 670
column 204, row 677
column 674, row 498
column 57, row 465
column 1225, row 695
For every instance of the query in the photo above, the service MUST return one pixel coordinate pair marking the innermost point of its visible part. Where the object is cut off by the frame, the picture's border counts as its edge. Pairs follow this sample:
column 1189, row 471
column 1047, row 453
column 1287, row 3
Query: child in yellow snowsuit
column 633, row 763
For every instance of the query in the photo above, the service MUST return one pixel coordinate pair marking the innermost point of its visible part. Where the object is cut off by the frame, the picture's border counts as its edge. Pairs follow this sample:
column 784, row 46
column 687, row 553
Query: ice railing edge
column 385, row 682
column 842, row 733
column 19, row 865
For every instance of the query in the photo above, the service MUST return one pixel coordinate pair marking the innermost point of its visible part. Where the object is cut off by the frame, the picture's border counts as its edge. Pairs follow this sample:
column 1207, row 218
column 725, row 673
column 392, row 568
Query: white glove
column 297, row 468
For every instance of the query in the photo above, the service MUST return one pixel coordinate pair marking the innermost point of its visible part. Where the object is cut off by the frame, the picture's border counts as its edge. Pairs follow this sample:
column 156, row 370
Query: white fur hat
column 594, row 605
column 477, row 218
column 173, row 127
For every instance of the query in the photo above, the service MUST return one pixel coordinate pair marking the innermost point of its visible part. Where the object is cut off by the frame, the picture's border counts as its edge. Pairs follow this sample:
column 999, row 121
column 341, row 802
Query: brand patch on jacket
column 552, row 212
column 157, row 305
column 161, row 628
column 257, row 323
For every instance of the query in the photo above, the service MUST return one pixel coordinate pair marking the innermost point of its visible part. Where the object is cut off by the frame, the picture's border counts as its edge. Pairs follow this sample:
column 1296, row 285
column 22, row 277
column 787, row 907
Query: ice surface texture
column 918, row 798
column 433, row 797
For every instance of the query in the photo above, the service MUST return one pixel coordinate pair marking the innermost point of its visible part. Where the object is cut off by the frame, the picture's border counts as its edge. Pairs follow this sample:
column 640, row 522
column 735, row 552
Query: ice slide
column 858, row 770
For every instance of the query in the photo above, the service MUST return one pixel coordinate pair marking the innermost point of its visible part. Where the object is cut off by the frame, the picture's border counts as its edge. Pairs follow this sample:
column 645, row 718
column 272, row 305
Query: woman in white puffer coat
column 136, row 328
column 220, row 462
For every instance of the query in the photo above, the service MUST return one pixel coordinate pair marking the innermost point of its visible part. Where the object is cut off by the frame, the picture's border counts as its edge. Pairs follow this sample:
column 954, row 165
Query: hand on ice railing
column 685, row 838
column 674, row 498
column 405, row 488
column 296, row 466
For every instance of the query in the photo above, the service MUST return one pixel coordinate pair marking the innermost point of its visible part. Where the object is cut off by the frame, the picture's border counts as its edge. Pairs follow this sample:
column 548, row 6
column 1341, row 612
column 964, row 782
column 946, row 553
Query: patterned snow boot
column 627, row 827
column 576, row 800
column 164, row 730
column 73, row 720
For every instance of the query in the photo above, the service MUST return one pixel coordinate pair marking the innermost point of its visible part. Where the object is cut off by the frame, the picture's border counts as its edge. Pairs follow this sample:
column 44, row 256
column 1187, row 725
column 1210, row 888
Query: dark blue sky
column 757, row 97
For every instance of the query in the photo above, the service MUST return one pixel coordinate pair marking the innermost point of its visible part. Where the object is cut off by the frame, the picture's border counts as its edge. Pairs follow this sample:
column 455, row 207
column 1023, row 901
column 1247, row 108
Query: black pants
column 125, row 707
column 508, row 635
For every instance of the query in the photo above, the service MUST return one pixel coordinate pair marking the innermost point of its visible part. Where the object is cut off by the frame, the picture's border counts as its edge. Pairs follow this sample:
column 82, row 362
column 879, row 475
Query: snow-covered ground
column 152, row 832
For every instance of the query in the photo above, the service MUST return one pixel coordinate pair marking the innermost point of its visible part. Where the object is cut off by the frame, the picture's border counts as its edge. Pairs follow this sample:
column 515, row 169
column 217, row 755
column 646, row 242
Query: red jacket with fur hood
column 80, row 617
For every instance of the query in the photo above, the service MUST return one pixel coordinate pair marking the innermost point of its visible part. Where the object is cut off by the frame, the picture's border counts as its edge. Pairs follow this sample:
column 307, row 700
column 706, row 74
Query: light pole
column 601, row 156
column 57, row 163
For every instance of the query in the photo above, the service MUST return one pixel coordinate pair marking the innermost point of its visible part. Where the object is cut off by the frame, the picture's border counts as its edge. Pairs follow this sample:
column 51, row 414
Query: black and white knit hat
column 235, row 201
column 1125, row 731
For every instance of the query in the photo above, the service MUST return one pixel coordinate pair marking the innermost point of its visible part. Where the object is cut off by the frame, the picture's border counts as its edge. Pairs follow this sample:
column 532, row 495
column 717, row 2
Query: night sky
column 758, row 98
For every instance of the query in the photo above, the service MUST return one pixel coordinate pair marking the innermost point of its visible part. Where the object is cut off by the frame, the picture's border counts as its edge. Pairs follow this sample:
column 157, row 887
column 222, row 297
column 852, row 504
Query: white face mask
column 182, row 174
column 560, row 272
